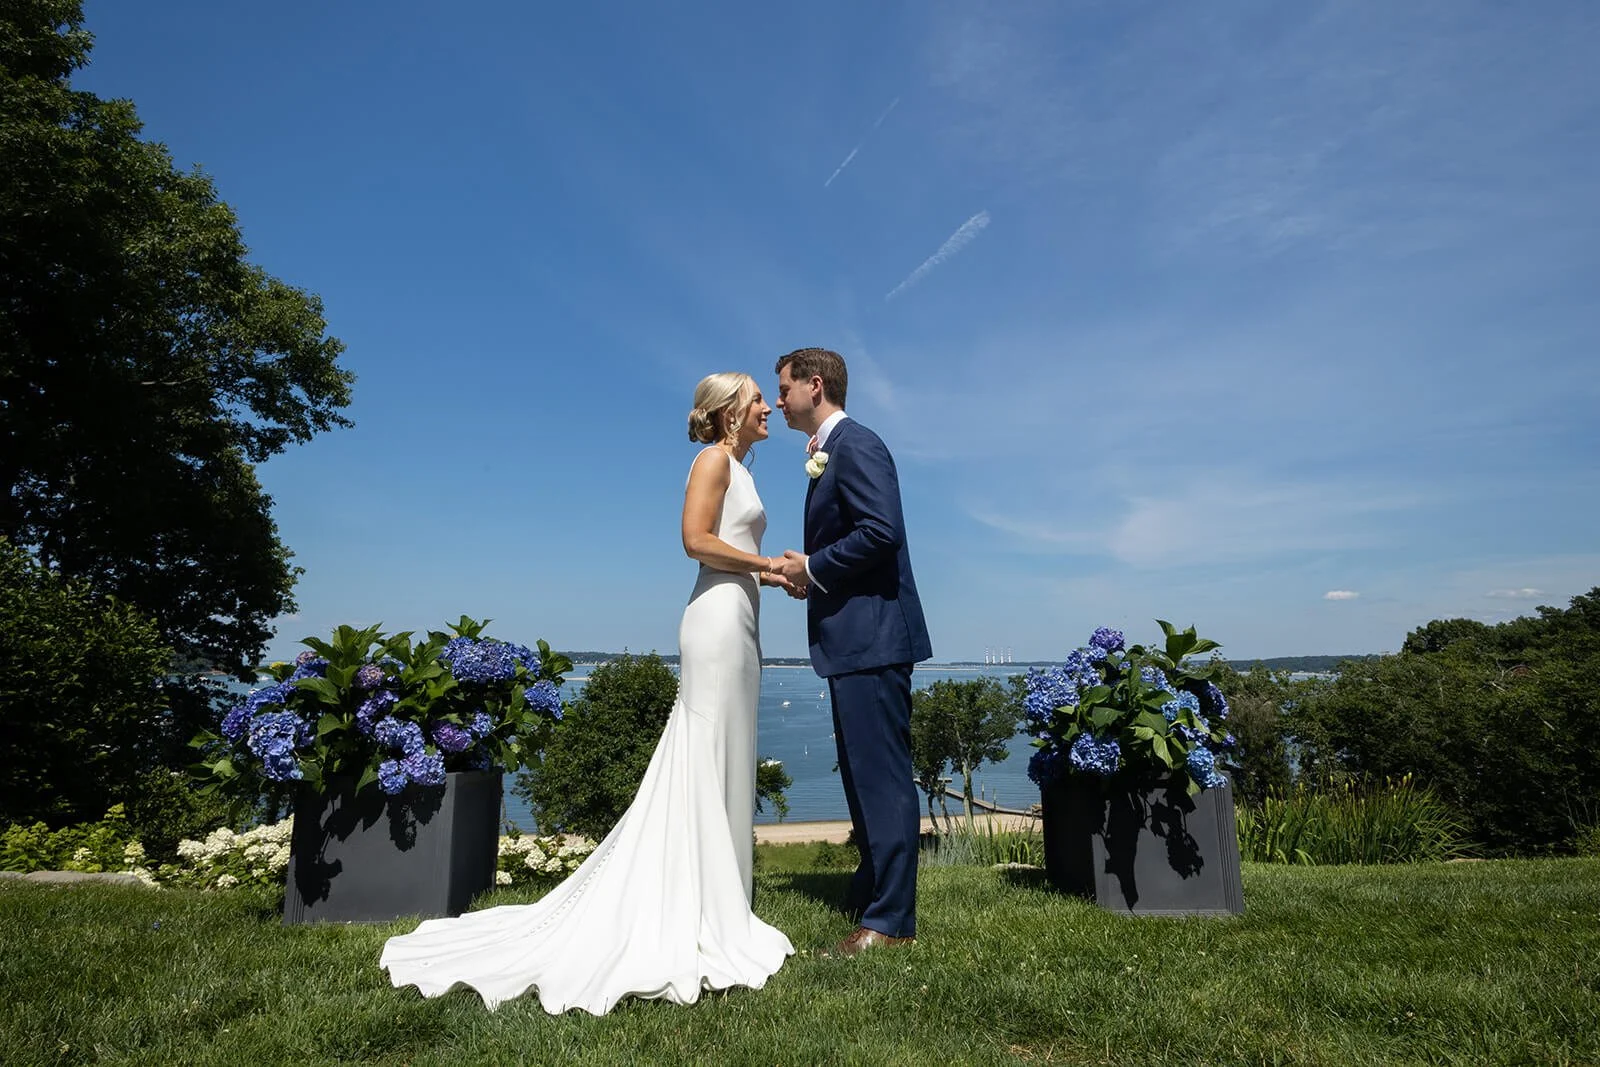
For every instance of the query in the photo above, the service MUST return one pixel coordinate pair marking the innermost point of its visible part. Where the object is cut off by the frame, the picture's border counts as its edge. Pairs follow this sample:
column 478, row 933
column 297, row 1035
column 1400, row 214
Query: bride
column 661, row 908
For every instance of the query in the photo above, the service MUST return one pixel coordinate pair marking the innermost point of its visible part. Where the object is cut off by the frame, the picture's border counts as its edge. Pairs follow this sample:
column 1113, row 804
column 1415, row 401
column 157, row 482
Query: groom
column 865, row 627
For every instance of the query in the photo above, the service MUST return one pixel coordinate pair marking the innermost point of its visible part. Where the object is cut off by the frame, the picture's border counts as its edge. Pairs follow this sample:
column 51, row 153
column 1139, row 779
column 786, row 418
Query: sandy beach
column 789, row 833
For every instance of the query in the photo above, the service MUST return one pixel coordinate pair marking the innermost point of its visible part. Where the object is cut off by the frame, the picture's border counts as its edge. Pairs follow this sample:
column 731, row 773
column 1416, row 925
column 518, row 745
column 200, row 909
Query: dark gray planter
column 367, row 857
column 1143, row 849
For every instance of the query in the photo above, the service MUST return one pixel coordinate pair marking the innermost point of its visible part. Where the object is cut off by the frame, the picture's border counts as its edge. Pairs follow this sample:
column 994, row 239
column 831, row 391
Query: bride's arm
column 702, row 501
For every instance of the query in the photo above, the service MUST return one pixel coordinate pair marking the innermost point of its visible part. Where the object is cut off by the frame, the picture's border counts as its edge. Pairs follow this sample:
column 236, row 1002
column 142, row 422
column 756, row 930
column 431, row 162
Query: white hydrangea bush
column 526, row 859
column 229, row 860
column 259, row 857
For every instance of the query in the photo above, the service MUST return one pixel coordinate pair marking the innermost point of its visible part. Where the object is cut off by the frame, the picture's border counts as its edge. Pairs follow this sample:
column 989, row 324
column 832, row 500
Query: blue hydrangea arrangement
column 1147, row 713
column 392, row 712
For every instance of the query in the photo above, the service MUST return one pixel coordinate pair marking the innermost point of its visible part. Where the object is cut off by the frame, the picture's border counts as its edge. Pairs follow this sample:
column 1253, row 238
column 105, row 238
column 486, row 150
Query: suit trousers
column 872, row 728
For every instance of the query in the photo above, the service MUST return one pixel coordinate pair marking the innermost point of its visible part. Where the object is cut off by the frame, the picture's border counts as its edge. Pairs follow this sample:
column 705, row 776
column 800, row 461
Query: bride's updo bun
column 701, row 427
column 719, row 401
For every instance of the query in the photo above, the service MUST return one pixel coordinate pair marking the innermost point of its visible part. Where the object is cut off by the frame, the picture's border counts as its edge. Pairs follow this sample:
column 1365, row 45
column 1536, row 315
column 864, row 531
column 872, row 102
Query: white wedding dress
column 661, row 908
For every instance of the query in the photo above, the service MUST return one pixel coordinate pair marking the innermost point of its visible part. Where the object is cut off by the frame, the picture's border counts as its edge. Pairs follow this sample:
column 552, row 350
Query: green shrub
column 81, row 714
column 106, row 845
column 1497, row 720
column 834, row 856
column 598, row 753
column 165, row 808
column 1394, row 822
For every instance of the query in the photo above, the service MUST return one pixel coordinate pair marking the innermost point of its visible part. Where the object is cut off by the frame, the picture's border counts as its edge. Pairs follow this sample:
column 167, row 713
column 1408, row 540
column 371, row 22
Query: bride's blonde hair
column 719, row 403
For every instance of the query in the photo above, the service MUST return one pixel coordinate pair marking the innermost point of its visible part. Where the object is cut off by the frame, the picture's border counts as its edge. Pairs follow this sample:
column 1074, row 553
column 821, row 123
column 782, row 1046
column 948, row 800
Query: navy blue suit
column 865, row 628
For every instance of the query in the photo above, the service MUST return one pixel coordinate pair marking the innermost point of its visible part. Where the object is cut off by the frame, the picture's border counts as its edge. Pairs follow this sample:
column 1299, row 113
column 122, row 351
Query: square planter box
column 367, row 857
column 1143, row 849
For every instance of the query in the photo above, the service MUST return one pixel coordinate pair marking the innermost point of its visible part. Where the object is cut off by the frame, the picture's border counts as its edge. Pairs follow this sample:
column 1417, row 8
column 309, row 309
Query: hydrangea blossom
column 481, row 725
column 1182, row 702
column 399, row 734
column 233, row 723
column 1047, row 690
column 368, row 676
column 1203, row 768
column 274, row 735
column 486, row 660
column 1094, row 756
column 1106, row 639
column 1156, row 677
column 309, row 665
column 1082, row 668
column 544, row 696
column 392, row 778
column 374, row 708
column 1218, row 704
column 424, row 769
column 480, row 760
column 1044, row 766
column 277, row 693
column 451, row 738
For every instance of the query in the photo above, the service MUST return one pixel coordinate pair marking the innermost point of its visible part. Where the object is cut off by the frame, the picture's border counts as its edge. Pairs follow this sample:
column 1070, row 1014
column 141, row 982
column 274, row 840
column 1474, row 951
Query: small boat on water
column 784, row 704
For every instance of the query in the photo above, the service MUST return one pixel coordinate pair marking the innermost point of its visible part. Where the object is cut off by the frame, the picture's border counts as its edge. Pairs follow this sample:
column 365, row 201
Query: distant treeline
column 1301, row 664
column 591, row 658
column 1305, row 664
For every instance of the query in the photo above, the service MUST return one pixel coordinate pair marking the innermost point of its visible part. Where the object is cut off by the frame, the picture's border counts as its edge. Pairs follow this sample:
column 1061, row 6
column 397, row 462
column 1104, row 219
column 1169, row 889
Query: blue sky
column 1278, row 319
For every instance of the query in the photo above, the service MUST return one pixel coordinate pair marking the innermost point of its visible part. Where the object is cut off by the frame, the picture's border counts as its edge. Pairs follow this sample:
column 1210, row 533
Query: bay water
column 795, row 726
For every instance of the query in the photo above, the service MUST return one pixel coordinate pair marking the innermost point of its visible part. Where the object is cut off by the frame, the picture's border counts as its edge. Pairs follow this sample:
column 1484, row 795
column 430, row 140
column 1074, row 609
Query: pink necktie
column 811, row 446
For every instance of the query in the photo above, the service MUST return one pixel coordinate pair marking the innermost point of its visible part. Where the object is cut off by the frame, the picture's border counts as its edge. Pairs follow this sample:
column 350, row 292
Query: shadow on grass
column 825, row 887
column 1026, row 877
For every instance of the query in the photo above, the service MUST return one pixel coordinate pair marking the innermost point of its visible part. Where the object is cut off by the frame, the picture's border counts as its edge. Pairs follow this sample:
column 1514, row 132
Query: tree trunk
column 966, row 791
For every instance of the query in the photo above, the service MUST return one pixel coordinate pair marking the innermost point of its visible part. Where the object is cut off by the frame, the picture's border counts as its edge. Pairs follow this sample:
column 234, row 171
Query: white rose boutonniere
column 816, row 463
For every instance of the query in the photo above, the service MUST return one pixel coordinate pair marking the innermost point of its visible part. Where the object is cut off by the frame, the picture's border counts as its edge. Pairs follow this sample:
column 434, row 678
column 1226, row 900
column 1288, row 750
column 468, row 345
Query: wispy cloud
column 954, row 243
column 1340, row 594
column 861, row 143
column 1525, row 593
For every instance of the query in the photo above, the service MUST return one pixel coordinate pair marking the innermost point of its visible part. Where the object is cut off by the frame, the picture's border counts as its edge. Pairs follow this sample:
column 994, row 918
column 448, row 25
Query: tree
column 598, row 753
column 967, row 723
column 145, row 365
column 771, row 781
column 1500, row 722
column 1259, row 701
column 1440, row 634
column 81, row 708
column 930, row 758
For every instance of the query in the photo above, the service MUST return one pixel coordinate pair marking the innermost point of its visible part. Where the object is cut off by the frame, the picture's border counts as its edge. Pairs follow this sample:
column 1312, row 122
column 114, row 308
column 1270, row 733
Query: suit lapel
column 834, row 438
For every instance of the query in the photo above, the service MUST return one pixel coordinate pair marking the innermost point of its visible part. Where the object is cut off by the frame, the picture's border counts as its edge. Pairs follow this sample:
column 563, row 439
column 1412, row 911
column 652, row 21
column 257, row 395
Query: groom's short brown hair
column 806, row 363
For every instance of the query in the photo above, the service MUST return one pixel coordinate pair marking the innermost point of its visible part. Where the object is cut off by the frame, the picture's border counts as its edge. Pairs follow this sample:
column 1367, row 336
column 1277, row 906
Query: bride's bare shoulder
column 713, row 465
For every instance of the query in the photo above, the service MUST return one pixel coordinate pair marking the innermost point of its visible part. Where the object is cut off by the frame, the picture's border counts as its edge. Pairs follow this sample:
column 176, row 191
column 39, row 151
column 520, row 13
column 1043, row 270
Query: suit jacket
column 869, row 614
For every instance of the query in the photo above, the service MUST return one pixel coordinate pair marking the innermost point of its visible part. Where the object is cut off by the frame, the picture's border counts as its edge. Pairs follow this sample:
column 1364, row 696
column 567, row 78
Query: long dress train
column 661, row 908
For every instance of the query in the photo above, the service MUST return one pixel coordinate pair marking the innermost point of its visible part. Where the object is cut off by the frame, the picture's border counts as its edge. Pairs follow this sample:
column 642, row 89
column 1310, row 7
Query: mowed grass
column 1484, row 962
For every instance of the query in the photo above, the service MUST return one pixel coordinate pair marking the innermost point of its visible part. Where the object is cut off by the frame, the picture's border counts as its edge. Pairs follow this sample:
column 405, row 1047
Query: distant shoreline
column 1308, row 664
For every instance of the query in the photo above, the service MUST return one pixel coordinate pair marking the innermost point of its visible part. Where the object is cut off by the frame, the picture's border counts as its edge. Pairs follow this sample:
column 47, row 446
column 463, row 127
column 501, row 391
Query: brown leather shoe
column 863, row 939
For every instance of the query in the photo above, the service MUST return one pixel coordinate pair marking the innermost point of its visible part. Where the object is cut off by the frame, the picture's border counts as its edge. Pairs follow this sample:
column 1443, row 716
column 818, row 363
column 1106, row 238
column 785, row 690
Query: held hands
column 792, row 566
column 788, row 572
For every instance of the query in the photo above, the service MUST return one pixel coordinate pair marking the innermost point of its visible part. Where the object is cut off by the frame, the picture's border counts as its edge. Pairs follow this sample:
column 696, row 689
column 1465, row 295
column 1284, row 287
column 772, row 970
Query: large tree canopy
column 145, row 365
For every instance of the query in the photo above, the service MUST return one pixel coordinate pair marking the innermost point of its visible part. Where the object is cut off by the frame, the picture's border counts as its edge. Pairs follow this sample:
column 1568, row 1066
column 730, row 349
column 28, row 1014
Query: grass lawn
column 1493, row 962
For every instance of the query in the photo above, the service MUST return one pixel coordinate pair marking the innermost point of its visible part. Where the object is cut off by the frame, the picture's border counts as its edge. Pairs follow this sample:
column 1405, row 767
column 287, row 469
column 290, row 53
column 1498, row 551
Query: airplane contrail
column 840, row 168
column 953, row 244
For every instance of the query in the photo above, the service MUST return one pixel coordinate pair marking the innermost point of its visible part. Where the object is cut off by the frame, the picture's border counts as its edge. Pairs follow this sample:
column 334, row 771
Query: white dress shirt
column 823, row 432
